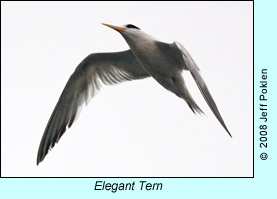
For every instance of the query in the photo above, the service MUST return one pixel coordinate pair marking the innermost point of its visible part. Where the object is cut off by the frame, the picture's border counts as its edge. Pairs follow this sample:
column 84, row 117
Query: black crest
column 132, row 26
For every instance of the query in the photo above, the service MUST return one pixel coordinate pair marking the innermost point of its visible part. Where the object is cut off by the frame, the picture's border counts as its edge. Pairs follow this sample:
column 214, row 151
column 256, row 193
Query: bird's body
column 147, row 57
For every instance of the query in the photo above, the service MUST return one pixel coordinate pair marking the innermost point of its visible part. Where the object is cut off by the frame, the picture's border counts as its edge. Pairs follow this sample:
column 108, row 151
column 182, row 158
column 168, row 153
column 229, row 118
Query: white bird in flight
column 147, row 57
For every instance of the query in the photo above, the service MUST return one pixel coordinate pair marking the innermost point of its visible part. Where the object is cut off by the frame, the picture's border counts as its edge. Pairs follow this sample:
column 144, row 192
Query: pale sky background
column 137, row 128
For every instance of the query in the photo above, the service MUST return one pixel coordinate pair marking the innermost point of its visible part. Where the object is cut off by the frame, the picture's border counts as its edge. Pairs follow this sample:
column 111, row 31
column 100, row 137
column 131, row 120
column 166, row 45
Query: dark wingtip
column 227, row 131
column 39, row 160
column 230, row 134
column 40, row 156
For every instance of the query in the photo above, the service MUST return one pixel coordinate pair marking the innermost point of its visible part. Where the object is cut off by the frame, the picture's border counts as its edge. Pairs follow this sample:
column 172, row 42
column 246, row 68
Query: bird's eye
column 132, row 26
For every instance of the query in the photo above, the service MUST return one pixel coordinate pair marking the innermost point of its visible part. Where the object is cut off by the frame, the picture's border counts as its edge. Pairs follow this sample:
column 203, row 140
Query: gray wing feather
column 106, row 68
column 194, row 70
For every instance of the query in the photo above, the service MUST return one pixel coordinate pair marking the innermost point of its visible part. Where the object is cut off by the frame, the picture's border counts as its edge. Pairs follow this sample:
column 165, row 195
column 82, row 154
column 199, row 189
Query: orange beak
column 120, row 29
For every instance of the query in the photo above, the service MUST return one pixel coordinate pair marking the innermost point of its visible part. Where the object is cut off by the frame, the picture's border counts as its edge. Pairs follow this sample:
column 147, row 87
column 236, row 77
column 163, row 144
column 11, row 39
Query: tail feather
column 195, row 108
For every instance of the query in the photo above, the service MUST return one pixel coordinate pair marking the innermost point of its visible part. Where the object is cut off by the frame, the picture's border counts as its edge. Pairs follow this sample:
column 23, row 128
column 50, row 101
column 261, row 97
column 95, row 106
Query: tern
column 147, row 57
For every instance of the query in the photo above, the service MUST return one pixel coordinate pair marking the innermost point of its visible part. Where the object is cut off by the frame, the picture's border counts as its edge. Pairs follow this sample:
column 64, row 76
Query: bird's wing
column 194, row 70
column 106, row 68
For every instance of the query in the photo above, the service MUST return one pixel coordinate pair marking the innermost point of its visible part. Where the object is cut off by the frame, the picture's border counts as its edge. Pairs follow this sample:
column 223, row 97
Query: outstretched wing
column 194, row 70
column 106, row 68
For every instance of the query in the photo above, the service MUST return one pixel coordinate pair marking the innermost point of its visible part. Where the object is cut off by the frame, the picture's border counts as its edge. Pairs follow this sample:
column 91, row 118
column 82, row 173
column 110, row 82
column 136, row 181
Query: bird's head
column 124, row 28
column 131, row 33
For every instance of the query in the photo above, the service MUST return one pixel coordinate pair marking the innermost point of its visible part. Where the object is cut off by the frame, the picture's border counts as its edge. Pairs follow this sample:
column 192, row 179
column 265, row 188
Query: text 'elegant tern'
column 147, row 57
